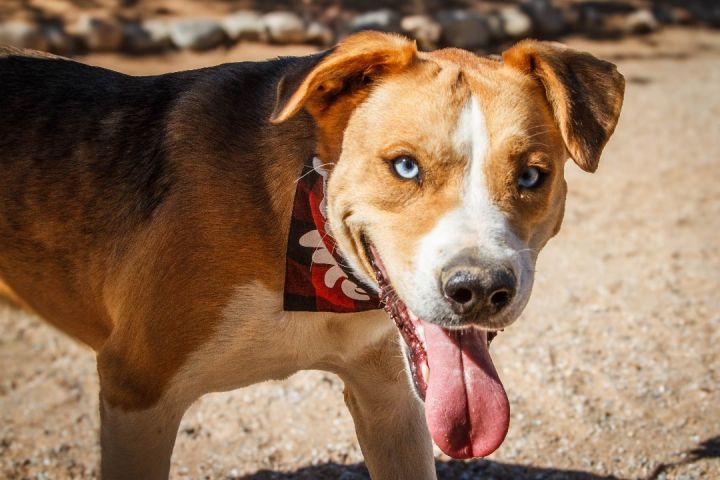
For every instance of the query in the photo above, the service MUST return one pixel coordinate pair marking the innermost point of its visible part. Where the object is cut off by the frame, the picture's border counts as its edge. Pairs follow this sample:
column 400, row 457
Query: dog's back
column 84, row 162
column 89, row 158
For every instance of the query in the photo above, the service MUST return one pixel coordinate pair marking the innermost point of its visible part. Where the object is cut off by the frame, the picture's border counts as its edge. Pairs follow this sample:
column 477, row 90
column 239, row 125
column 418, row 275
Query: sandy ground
column 613, row 371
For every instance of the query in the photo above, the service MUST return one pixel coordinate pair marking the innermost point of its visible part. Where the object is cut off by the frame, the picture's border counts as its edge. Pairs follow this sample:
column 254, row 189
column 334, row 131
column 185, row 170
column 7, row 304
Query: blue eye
column 530, row 177
column 406, row 167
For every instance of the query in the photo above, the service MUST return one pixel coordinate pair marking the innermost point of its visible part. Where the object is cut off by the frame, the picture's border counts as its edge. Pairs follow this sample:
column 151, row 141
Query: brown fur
column 332, row 91
column 585, row 94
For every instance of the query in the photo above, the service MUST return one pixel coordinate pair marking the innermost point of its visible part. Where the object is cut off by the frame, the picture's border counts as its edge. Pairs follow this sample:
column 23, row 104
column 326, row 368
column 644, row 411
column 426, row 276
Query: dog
column 152, row 219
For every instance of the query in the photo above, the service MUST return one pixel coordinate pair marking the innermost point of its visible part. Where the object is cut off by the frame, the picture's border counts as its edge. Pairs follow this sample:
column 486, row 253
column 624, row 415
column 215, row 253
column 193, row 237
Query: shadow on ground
column 451, row 470
column 484, row 469
column 709, row 448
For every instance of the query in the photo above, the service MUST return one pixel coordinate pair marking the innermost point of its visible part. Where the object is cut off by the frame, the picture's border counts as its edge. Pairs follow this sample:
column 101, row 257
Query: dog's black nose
column 474, row 289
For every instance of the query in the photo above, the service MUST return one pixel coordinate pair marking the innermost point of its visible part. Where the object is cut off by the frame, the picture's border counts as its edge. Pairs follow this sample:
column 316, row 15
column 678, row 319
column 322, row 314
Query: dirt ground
column 613, row 371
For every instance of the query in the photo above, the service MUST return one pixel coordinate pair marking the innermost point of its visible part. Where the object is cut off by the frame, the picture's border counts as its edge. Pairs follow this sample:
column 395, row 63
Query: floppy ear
column 340, row 81
column 585, row 94
column 350, row 66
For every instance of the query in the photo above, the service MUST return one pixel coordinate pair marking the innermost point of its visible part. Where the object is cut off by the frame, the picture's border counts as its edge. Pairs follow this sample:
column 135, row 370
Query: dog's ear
column 584, row 92
column 339, row 81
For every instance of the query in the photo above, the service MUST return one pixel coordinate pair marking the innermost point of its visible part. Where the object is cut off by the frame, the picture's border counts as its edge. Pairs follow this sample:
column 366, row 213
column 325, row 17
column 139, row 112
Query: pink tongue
column 466, row 407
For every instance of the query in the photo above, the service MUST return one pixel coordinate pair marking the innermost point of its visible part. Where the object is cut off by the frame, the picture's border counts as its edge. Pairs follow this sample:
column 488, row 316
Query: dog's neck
column 316, row 278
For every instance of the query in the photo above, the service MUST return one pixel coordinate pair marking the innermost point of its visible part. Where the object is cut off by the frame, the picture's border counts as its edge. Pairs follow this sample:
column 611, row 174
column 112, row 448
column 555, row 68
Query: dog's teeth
column 425, row 371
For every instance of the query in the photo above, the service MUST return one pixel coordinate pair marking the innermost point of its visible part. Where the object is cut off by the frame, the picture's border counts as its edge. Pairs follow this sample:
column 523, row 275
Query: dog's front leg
column 389, row 418
column 138, row 443
column 139, row 418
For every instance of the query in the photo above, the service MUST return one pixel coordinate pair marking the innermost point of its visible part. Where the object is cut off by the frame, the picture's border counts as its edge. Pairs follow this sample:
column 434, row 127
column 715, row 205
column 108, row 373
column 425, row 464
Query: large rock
column 384, row 20
column 245, row 25
column 147, row 37
column 285, row 27
column 641, row 21
column 424, row 29
column 515, row 22
column 464, row 29
column 99, row 34
column 319, row 34
column 548, row 19
column 23, row 35
column 196, row 34
column 158, row 31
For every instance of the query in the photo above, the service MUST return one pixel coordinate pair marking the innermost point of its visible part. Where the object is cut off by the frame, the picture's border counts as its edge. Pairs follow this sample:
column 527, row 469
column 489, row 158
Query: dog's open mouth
column 466, row 407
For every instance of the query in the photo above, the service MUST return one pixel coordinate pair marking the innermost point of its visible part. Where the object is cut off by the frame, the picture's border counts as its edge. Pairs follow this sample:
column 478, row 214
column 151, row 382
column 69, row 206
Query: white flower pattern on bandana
column 312, row 239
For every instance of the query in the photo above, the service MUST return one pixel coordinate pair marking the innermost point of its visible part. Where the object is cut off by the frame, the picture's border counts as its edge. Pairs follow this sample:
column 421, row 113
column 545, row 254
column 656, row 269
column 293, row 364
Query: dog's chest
column 257, row 341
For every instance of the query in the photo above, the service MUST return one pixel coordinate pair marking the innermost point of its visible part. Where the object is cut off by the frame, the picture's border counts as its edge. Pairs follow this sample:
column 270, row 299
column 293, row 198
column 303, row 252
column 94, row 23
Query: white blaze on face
column 478, row 213
column 477, row 223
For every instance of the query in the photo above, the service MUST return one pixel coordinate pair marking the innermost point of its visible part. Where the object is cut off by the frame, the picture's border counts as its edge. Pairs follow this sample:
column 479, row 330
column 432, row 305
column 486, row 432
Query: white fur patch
column 476, row 223
column 480, row 213
column 257, row 341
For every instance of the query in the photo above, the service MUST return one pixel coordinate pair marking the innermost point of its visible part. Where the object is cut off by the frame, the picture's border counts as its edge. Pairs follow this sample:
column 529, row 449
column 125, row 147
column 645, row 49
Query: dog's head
column 447, row 181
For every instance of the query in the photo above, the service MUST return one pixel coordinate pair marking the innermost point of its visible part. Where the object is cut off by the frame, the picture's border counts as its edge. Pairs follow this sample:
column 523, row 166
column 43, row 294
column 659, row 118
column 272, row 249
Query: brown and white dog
column 148, row 218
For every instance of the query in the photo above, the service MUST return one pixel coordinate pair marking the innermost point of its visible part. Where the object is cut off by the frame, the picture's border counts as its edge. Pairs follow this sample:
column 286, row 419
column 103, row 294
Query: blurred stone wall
column 152, row 26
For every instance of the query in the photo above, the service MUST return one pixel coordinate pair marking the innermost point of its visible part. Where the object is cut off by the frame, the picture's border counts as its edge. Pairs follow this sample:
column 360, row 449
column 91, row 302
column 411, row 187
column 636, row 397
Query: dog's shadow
column 447, row 470
column 480, row 469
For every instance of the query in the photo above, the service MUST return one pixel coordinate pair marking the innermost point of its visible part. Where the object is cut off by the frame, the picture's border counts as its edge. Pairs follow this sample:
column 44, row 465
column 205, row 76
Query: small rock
column 422, row 28
column 571, row 16
column 549, row 20
column 245, row 25
column 23, row 35
column 147, row 37
column 641, row 21
column 384, row 20
column 495, row 26
column 59, row 41
column 591, row 20
column 671, row 15
column 285, row 27
column 516, row 23
column 600, row 22
column 99, row 34
column 349, row 475
column 196, row 34
column 319, row 34
column 463, row 29
column 707, row 12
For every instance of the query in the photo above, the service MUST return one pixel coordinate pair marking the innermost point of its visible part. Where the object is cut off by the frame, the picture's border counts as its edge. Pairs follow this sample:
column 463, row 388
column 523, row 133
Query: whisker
column 312, row 170
column 539, row 127
column 321, row 244
column 335, row 246
column 333, row 251
column 537, row 134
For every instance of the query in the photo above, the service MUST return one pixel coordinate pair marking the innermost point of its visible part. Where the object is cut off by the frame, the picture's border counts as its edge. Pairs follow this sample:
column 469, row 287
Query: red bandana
column 316, row 279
